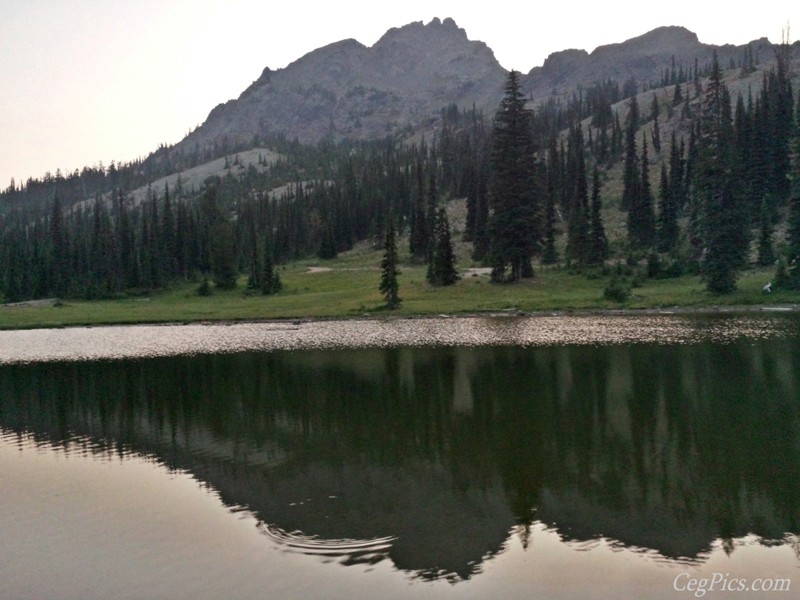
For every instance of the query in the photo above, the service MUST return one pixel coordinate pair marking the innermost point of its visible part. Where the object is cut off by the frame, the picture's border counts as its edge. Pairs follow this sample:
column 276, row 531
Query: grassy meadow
column 347, row 287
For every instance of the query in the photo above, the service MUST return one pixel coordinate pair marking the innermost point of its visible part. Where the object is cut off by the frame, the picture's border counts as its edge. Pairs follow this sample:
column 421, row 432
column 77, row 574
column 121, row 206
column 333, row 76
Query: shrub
column 205, row 288
column 617, row 290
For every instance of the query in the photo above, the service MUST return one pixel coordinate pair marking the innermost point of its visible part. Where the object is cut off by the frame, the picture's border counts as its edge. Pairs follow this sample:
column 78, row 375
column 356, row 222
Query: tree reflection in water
column 430, row 457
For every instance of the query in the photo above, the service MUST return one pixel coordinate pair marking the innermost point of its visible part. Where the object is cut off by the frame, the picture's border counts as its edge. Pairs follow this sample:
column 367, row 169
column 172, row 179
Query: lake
column 553, row 457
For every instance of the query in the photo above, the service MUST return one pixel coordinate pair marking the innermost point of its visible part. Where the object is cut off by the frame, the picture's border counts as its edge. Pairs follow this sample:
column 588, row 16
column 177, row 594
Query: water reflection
column 429, row 457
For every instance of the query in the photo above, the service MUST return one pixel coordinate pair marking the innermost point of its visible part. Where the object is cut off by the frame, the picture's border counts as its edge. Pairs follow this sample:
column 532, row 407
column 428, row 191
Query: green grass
column 351, row 289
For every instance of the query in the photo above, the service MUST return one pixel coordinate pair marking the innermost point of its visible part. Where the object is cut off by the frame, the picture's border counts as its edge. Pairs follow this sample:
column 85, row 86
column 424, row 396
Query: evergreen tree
column 58, row 276
column 151, row 250
column 14, row 267
column 723, row 224
column 552, row 185
column 169, row 242
column 766, row 250
column 480, row 236
column 781, row 107
column 677, row 97
column 442, row 266
column 431, row 207
column 223, row 255
column 793, row 224
column 549, row 253
column 220, row 238
column 270, row 278
column 656, row 131
column 578, row 242
column 254, row 273
column 667, row 231
column 327, row 247
column 598, row 243
column 418, row 240
column 514, row 227
column 641, row 219
column 389, row 269
column 630, row 177
column 126, row 242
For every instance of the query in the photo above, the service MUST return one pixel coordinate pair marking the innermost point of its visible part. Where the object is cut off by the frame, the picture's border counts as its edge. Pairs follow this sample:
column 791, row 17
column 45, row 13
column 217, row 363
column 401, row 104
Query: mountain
column 348, row 90
column 642, row 58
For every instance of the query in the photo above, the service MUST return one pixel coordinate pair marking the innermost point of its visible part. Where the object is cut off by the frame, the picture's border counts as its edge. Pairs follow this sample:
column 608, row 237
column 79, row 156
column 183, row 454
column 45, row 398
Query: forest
column 707, row 184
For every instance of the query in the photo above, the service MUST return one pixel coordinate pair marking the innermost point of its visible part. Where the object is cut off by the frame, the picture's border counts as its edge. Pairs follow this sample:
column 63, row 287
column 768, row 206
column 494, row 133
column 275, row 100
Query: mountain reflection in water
column 431, row 456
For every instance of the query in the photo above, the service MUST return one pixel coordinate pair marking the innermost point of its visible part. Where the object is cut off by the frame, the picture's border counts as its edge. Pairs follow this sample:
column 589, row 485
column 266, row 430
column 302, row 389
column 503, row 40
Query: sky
column 88, row 82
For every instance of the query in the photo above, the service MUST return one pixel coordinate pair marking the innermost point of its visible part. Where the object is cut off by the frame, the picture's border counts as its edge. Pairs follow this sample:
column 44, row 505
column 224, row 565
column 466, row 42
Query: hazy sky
column 89, row 81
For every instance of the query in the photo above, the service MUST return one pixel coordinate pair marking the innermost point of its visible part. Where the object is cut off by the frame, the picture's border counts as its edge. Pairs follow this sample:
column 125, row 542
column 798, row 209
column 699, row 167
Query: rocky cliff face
column 348, row 90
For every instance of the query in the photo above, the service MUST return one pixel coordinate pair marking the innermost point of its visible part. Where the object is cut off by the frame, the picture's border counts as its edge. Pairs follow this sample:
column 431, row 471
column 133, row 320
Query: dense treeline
column 695, row 198
column 337, row 195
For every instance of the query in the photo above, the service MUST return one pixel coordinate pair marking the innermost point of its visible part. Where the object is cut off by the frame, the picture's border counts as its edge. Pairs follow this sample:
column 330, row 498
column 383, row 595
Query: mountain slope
column 348, row 90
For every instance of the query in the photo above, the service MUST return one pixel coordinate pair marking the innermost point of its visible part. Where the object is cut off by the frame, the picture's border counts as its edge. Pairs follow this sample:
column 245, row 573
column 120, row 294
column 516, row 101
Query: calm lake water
column 569, row 457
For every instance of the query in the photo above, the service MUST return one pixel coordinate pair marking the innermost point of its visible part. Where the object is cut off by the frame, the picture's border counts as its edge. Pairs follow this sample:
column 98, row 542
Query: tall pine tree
column 641, row 219
column 389, row 269
column 723, row 222
column 514, row 226
column 442, row 266
column 630, row 177
column 598, row 243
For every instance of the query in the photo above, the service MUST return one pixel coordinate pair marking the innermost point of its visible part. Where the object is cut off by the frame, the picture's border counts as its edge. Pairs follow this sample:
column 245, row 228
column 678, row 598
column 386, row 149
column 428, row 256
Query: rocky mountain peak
column 346, row 89
column 659, row 41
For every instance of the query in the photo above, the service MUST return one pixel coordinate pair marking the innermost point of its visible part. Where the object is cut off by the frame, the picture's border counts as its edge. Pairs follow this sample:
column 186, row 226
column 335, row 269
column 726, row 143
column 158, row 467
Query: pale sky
column 90, row 81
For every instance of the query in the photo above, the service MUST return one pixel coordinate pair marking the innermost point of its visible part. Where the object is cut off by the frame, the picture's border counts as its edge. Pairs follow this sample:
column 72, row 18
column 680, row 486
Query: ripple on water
column 346, row 551
column 142, row 341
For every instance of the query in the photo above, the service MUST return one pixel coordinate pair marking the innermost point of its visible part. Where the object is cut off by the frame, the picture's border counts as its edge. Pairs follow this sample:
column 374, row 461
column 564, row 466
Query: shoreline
column 546, row 328
column 783, row 308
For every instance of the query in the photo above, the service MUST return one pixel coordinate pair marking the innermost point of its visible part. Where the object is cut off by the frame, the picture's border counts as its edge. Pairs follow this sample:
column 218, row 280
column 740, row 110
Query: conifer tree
column 667, row 230
column 578, row 243
column 552, row 185
column 514, row 227
column 59, row 251
column 169, row 244
column 14, row 267
column 418, row 240
column 389, row 269
column 327, row 247
column 223, row 255
column 598, row 243
column 549, row 253
column 641, row 219
column 630, row 177
column 793, row 224
column 781, row 107
column 480, row 236
column 766, row 250
column 431, row 207
column 656, row 131
column 254, row 267
column 220, row 238
column 723, row 224
column 270, row 278
column 677, row 97
column 442, row 266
